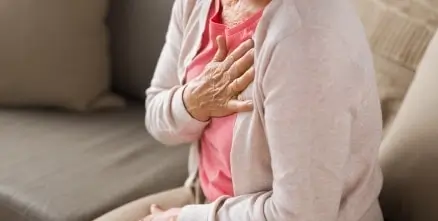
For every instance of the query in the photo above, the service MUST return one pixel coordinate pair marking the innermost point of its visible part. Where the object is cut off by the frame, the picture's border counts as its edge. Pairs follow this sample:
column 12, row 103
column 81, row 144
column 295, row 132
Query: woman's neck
column 236, row 11
column 259, row 3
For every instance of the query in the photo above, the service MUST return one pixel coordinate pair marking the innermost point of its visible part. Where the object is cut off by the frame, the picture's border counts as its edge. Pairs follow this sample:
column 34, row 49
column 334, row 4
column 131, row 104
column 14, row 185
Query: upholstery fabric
column 74, row 167
column 399, row 32
column 409, row 153
column 54, row 53
column 137, row 30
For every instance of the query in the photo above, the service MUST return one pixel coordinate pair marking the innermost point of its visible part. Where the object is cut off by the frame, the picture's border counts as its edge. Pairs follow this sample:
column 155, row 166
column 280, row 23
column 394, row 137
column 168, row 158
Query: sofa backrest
column 137, row 30
column 409, row 152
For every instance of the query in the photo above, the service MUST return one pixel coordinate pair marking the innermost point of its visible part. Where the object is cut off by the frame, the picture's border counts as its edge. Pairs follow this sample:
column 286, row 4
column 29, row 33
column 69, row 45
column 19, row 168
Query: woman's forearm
column 166, row 117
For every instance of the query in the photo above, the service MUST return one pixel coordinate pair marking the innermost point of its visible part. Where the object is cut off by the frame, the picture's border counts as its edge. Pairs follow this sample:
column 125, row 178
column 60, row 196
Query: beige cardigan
column 308, row 152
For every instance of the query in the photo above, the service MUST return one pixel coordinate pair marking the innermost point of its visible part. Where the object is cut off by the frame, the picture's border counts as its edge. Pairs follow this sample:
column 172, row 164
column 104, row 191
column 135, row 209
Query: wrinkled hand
column 158, row 214
column 214, row 93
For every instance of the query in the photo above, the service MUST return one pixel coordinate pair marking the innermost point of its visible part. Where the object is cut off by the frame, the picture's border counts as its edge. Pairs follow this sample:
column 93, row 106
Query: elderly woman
column 279, row 102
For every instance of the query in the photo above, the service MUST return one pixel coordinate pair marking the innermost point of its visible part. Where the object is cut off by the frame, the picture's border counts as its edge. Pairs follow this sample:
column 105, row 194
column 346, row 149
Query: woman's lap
column 138, row 209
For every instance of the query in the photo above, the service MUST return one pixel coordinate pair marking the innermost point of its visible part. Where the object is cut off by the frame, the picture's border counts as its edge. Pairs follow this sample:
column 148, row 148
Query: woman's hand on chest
column 214, row 93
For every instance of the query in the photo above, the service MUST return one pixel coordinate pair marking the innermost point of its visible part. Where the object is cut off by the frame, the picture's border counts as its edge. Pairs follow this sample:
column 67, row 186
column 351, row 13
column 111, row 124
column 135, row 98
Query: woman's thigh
column 138, row 209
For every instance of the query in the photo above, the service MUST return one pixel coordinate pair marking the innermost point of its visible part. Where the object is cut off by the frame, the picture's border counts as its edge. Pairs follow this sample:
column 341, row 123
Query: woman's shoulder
column 318, row 34
column 289, row 16
column 333, row 25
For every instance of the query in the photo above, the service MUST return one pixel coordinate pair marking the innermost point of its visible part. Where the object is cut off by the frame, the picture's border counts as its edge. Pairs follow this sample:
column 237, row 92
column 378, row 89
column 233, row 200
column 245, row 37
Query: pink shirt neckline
column 216, row 140
column 217, row 22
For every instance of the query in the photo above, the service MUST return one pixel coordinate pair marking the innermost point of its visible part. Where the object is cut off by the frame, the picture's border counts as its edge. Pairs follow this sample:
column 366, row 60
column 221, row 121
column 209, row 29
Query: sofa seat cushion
column 73, row 167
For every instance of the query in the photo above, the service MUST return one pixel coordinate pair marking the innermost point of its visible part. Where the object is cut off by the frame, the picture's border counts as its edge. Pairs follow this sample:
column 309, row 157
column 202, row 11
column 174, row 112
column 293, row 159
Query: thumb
column 156, row 209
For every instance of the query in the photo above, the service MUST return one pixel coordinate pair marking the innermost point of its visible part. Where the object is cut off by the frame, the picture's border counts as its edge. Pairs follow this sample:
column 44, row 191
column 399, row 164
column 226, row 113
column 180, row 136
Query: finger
column 242, row 65
column 239, row 106
column 239, row 52
column 156, row 209
column 222, row 50
column 241, row 83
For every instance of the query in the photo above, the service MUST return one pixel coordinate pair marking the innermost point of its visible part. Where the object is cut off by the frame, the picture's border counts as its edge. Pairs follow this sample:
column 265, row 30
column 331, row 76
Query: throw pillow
column 54, row 53
column 399, row 32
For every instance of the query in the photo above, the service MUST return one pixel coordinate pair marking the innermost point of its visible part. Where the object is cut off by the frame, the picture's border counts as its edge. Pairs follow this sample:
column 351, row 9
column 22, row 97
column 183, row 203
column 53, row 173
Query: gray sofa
column 65, row 166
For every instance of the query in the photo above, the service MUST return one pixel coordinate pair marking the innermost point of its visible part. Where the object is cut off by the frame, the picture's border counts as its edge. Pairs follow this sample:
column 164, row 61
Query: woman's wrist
column 191, row 106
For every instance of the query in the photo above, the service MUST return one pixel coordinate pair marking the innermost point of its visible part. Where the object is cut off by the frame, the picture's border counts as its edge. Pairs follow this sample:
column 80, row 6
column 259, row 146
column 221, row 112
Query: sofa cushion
column 409, row 153
column 54, row 53
column 399, row 32
column 72, row 167
column 137, row 30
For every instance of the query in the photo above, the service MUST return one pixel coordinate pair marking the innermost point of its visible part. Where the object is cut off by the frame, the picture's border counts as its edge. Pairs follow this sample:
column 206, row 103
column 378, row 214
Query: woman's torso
column 251, row 165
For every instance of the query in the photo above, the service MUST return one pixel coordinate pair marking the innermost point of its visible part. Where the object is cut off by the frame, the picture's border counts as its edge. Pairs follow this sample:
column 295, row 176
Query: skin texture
column 215, row 92
column 236, row 11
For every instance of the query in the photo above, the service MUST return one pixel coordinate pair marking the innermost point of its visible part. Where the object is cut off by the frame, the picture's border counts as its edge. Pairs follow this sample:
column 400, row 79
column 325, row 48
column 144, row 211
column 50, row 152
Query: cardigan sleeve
column 166, row 116
column 309, row 86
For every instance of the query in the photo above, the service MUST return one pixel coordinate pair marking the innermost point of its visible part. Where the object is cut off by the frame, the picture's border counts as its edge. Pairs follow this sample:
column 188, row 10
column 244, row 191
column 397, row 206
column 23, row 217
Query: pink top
column 214, row 168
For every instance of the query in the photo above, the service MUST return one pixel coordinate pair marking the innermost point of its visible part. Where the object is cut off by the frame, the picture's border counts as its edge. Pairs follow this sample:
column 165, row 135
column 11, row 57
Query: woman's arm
column 166, row 116
column 310, row 86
